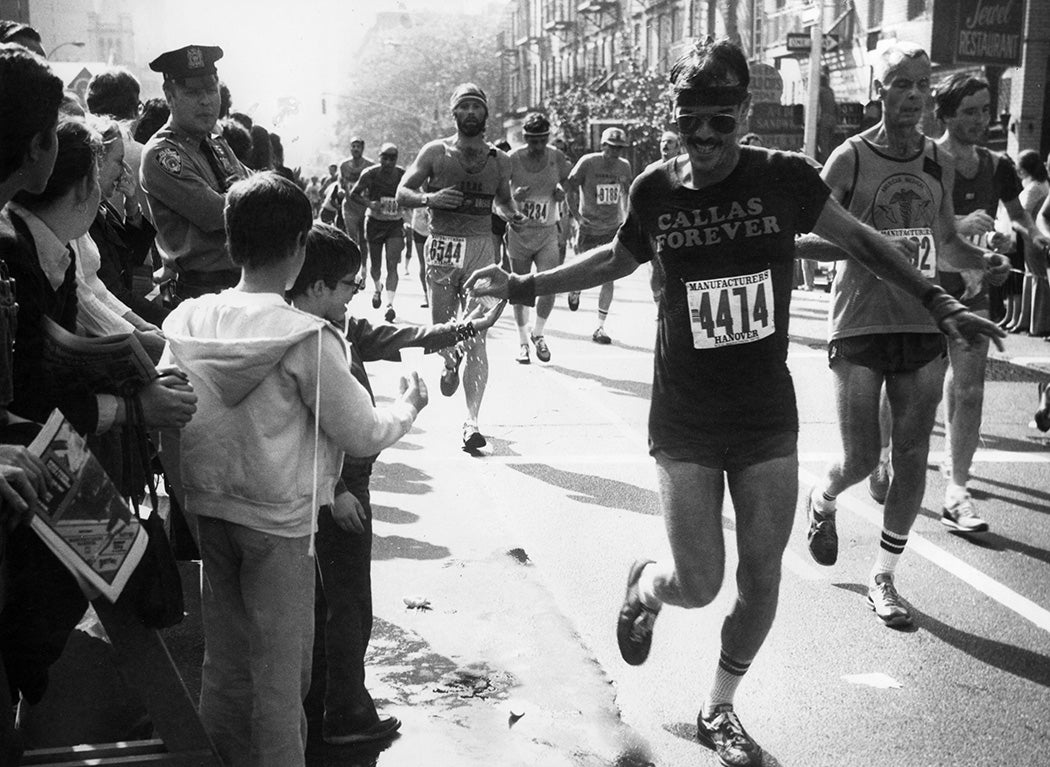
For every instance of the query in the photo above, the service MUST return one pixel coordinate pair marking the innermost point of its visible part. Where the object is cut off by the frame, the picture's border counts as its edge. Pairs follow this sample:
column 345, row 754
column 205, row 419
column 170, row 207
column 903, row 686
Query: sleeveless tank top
column 901, row 197
column 473, row 217
column 539, row 207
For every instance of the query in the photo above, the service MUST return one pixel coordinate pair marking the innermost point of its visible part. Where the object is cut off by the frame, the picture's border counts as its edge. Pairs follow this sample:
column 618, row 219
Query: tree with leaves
column 405, row 73
column 638, row 98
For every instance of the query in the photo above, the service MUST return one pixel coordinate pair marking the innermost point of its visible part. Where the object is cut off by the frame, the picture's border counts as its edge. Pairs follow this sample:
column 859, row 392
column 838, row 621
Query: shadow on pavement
column 399, row 547
column 596, row 491
column 687, row 731
column 609, row 385
column 1018, row 661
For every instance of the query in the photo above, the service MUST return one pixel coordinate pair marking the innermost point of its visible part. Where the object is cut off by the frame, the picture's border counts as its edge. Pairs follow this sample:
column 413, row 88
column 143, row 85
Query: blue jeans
column 256, row 602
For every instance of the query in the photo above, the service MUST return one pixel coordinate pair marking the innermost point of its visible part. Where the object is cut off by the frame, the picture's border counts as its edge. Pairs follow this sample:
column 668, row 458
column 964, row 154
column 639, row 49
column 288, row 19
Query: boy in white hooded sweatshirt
column 277, row 408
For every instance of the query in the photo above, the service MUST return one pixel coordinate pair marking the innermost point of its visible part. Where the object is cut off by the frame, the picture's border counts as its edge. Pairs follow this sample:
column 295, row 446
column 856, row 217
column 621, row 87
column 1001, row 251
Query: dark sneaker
column 523, row 355
column 887, row 603
column 879, row 482
column 377, row 299
column 472, row 438
column 822, row 536
column 574, row 301
column 724, row 735
column 961, row 516
column 450, row 375
column 390, row 313
column 601, row 337
column 543, row 354
column 634, row 625
column 1042, row 415
column 382, row 730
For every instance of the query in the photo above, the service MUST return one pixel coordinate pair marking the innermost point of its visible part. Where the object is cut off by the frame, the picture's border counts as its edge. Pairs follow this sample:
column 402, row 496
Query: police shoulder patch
column 170, row 160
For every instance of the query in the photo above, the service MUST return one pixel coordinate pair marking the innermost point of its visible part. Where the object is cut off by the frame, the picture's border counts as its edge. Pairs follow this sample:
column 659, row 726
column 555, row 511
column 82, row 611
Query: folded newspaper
column 85, row 522
column 105, row 364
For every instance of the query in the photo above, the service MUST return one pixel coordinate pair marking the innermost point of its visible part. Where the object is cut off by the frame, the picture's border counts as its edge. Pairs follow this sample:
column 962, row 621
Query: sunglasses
column 691, row 123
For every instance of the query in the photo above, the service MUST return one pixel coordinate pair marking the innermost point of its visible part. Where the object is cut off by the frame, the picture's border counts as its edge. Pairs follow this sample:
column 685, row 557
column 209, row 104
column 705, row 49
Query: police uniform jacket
column 186, row 197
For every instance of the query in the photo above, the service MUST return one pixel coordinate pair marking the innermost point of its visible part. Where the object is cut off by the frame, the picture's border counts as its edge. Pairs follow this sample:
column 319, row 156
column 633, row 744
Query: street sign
column 799, row 41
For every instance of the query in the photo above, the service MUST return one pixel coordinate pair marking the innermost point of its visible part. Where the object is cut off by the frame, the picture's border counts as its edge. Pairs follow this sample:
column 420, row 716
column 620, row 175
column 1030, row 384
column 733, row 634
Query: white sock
column 891, row 546
column 728, row 676
column 822, row 504
column 954, row 492
column 389, row 296
column 647, row 587
column 884, row 454
column 537, row 328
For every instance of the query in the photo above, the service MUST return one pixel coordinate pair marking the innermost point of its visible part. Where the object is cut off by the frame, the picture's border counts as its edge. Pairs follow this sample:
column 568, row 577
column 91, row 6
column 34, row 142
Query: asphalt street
column 518, row 555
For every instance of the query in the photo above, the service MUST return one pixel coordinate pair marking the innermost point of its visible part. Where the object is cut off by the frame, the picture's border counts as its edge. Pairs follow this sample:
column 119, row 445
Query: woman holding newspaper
column 43, row 601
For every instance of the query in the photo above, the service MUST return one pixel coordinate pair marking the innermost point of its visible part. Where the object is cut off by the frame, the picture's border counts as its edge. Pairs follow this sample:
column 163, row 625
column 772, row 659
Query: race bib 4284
column 726, row 311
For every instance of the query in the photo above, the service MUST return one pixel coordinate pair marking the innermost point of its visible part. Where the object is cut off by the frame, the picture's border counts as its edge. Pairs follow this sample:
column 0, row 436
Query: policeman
column 186, row 169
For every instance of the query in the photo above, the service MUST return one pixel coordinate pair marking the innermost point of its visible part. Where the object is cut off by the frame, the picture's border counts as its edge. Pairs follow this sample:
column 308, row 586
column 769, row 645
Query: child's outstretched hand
column 484, row 315
column 414, row 391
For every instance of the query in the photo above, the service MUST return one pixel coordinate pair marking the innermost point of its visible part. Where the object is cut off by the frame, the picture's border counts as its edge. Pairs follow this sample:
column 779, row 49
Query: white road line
column 968, row 574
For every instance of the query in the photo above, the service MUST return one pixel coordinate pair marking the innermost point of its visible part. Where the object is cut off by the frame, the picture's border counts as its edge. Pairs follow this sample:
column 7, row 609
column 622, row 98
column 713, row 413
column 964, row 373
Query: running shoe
column 879, row 482
column 961, row 517
column 390, row 313
column 543, row 354
column 574, row 301
column 472, row 438
column 724, row 735
column 601, row 337
column 377, row 299
column 634, row 625
column 523, row 355
column 822, row 536
column 450, row 375
column 887, row 603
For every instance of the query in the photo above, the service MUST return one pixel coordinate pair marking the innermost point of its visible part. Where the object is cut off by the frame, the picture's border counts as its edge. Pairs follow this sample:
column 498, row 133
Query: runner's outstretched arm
column 603, row 264
column 889, row 261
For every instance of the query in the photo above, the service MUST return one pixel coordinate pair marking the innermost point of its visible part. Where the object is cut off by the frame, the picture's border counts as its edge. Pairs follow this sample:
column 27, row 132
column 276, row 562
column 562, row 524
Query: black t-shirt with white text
column 727, row 252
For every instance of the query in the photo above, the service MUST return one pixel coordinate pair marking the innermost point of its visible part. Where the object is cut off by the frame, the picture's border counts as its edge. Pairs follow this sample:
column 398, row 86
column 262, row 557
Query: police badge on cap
column 190, row 61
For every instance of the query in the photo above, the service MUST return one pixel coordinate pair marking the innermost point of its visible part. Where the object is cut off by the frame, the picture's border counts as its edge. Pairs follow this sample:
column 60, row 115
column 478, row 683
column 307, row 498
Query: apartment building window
column 916, row 8
column 874, row 13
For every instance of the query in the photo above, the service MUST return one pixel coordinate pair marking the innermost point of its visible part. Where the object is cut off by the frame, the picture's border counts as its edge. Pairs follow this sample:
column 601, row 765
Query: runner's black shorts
column 377, row 231
column 733, row 450
column 889, row 352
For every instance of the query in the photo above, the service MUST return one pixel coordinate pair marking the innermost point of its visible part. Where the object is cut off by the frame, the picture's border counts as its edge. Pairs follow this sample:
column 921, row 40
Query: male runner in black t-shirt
column 722, row 221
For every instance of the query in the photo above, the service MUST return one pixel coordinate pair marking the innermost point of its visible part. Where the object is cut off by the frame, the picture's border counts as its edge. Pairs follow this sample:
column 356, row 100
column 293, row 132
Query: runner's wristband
column 939, row 304
column 521, row 290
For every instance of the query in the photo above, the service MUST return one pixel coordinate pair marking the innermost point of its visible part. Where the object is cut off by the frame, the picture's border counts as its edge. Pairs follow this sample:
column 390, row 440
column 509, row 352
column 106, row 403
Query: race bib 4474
column 445, row 251
column 731, row 310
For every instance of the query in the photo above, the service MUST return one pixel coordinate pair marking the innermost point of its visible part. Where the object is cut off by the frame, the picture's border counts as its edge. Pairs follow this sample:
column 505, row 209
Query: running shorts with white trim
column 533, row 244
column 889, row 352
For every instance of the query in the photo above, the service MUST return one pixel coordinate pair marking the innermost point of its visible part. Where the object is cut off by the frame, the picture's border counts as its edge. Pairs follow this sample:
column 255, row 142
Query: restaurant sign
column 988, row 32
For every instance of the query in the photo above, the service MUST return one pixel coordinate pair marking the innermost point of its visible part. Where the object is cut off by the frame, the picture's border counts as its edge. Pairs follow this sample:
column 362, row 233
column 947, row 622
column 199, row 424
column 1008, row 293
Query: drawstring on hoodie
column 317, row 442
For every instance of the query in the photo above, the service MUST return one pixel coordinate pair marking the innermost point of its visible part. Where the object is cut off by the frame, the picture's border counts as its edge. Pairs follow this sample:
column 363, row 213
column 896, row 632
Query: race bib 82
column 731, row 310
column 926, row 259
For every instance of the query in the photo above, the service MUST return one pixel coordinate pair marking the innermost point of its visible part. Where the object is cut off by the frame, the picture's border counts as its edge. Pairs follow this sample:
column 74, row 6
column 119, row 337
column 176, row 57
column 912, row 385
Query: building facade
column 549, row 45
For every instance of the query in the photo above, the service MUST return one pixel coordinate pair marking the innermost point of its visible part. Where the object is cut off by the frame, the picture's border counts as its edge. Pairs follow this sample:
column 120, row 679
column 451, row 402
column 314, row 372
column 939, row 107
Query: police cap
column 186, row 62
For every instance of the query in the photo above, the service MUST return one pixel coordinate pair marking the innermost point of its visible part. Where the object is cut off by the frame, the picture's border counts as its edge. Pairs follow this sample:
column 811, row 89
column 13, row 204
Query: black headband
column 711, row 96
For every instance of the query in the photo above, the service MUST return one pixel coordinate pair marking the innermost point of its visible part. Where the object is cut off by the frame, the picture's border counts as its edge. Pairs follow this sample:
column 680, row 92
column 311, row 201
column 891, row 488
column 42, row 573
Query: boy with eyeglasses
column 326, row 283
column 722, row 221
